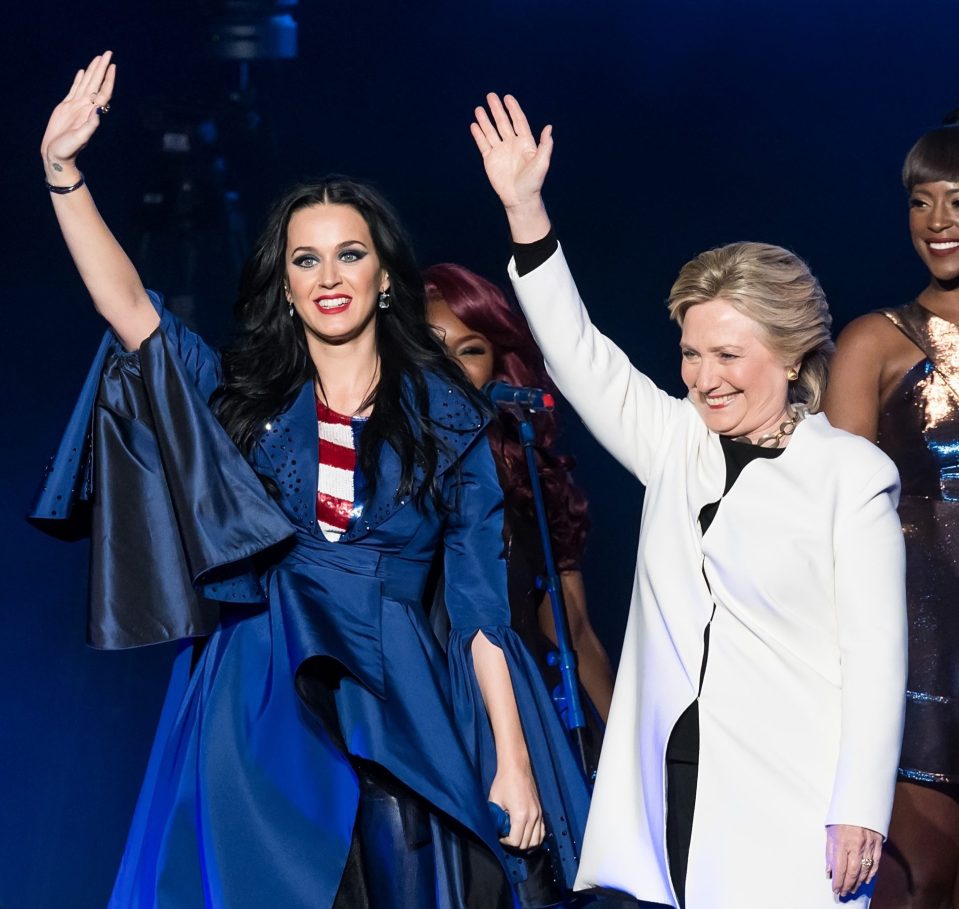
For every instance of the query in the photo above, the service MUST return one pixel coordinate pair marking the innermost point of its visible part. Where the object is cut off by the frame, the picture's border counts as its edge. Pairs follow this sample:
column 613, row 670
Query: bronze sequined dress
column 919, row 430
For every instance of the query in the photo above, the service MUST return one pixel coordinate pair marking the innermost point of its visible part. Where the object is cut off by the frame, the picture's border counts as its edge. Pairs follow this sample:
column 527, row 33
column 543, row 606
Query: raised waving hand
column 75, row 119
column 107, row 272
column 516, row 164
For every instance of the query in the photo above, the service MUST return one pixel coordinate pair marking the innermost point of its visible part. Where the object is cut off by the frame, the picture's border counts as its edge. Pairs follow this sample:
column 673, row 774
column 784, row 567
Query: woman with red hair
column 491, row 341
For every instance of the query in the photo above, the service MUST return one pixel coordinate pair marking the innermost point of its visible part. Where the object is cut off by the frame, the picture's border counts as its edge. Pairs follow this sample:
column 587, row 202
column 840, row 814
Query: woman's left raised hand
column 514, row 790
column 852, row 856
column 515, row 163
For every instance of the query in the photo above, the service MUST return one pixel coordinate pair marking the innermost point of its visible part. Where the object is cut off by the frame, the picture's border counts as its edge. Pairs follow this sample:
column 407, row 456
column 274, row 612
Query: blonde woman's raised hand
column 516, row 164
column 75, row 119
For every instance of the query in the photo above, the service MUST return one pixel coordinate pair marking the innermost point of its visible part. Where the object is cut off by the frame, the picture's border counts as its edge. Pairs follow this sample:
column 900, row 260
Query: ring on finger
column 867, row 862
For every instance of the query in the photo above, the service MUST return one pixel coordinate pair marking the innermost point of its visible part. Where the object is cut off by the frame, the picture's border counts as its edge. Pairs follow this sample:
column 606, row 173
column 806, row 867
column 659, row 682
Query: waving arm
column 515, row 164
column 622, row 407
column 109, row 275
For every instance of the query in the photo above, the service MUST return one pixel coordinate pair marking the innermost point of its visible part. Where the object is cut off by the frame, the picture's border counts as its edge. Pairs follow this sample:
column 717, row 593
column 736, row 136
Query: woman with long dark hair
column 491, row 341
column 895, row 380
column 276, row 510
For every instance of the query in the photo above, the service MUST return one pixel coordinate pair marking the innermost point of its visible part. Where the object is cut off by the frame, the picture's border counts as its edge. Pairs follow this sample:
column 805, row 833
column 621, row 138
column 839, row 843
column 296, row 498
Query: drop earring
column 383, row 301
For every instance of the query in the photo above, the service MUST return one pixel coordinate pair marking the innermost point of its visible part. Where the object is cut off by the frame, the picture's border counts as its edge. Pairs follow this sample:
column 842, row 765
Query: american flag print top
column 336, row 478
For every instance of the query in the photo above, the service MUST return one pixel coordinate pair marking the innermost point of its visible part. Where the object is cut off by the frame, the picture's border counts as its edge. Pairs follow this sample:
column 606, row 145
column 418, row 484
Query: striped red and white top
column 334, row 487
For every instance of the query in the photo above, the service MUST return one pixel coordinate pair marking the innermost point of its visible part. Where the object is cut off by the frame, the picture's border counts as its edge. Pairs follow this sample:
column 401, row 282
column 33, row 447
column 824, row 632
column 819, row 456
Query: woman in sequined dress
column 491, row 341
column 895, row 380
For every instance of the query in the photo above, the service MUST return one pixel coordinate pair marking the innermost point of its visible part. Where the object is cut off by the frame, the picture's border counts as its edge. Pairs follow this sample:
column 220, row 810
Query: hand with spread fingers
column 75, row 119
column 852, row 857
column 110, row 277
column 515, row 163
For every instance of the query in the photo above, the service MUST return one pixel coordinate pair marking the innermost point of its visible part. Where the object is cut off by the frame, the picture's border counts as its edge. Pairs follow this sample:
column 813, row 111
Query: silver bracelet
column 63, row 190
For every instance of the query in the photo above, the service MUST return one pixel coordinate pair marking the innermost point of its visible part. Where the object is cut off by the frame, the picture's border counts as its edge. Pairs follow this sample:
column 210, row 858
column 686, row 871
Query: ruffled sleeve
column 476, row 601
column 175, row 513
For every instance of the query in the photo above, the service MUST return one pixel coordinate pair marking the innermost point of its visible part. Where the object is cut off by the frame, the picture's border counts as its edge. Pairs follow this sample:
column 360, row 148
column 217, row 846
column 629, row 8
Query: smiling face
column 469, row 348
column 333, row 273
column 934, row 226
column 738, row 384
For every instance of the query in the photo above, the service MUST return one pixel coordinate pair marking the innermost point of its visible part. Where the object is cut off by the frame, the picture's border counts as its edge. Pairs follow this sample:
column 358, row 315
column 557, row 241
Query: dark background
column 678, row 126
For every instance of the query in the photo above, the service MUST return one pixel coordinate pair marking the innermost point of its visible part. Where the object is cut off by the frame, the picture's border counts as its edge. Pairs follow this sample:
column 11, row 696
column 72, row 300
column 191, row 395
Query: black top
column 529, row 256
column 737, row 456
column 683, row 743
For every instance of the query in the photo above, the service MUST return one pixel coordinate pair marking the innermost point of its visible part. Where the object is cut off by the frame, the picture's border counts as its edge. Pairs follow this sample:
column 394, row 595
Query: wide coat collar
column 288, row 449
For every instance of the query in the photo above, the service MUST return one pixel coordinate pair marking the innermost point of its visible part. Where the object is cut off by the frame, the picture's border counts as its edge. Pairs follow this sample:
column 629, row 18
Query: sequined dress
column 919, row 430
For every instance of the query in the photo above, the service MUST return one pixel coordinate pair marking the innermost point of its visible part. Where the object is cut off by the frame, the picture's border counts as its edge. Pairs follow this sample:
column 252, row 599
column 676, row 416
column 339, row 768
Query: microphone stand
column 565, row 657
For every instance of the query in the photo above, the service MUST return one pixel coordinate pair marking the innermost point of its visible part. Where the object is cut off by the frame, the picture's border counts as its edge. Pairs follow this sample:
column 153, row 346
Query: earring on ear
column 791, row 374
column 289, row 299
column 383, row 300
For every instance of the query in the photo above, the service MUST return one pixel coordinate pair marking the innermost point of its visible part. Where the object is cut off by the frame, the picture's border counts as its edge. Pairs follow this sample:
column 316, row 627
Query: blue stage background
column 678, row 126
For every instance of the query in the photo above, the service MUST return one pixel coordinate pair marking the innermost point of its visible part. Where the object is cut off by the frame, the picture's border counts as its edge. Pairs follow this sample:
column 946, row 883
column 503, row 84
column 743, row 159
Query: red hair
column 483, row 308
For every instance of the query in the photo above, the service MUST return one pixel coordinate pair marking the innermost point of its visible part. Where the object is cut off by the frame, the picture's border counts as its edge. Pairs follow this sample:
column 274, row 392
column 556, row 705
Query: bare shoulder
column 873, row 348
column 868, row 335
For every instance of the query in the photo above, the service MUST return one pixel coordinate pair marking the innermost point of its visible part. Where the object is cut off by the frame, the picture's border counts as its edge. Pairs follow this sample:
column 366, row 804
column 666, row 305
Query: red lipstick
column 326, row 305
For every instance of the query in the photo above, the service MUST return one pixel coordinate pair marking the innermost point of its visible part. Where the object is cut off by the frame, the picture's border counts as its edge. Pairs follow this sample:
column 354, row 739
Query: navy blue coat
column 247, row 801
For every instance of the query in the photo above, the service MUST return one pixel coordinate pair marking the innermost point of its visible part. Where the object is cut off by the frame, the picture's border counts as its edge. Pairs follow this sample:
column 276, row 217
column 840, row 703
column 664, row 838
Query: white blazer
column 801, row 709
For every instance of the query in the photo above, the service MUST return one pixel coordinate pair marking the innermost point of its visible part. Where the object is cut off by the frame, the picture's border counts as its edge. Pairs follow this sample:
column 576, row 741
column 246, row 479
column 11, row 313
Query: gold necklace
column 774, row 439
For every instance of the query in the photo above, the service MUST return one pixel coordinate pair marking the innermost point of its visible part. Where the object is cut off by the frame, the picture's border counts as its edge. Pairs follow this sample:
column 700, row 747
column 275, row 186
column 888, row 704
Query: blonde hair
column 776, row 289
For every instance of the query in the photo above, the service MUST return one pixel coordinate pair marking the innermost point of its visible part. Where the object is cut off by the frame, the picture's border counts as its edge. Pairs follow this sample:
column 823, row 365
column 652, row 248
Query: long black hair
column 267, row 363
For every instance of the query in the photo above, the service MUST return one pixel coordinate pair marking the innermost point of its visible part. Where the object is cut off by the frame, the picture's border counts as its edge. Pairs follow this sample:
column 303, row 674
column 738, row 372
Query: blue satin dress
column 248, row 800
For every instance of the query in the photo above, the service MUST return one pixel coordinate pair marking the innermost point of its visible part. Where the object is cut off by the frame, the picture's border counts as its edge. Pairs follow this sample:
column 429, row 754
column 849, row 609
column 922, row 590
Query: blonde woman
column 750, row 756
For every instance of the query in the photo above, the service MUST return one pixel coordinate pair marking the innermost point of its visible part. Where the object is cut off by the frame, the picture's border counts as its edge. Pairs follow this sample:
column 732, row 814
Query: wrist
column 60, row 173
column 513, row 761
column 528, row 221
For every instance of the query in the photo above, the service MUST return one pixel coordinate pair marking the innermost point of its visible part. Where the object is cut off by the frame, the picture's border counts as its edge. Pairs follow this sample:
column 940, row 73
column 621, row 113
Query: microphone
column 507, row 397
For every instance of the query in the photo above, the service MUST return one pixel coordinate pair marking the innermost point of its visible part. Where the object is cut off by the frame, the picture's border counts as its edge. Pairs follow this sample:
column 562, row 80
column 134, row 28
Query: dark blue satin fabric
column 247, row 800
column 175, row 507
column 62, row 500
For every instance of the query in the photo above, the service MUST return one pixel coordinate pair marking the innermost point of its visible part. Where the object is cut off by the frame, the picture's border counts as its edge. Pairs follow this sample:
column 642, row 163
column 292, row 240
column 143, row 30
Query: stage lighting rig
column 252, row 29
column 208, row 155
